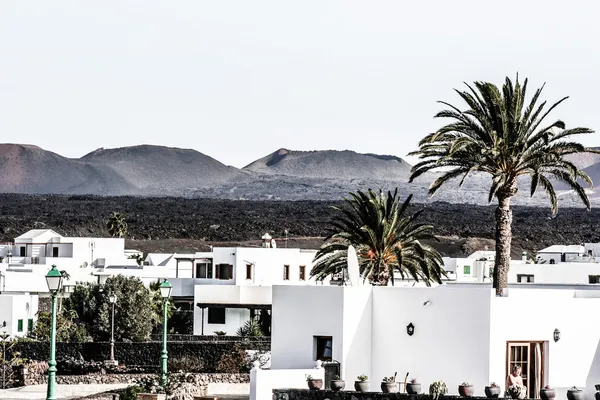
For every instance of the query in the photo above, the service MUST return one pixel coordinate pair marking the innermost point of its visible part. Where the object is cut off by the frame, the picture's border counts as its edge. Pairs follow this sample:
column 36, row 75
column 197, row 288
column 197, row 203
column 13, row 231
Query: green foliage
column 362, row 378
column 116, row 225
column 220, row 333
column 158, row 306
column 9, row 361
column 438, row 389
column 251, row 328
column 134, row 312
column 130, row 393
column 67, row 327
column 386, row 240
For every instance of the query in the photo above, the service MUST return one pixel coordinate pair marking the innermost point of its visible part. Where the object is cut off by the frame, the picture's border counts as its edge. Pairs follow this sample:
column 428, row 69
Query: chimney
column 266, row 240
column 524, row 256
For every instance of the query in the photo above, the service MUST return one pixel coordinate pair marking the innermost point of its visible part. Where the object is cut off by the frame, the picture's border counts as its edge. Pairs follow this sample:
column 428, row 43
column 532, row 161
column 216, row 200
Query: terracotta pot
column 466, row 391
column 492, row 392
column 547, row 394
column 413, row 388
column 389, row 387
column 337, row 385
column 575, row 394
column 315, row 384
column 361, row 386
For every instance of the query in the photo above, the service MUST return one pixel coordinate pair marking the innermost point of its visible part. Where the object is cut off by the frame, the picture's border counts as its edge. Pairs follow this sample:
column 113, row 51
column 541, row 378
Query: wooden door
column 531, row 358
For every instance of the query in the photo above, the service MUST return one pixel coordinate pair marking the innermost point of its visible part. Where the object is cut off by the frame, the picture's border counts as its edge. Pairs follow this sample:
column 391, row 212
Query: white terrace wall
column 567, row 273
column 262, row 382
column 532, row 315
column 450, row 340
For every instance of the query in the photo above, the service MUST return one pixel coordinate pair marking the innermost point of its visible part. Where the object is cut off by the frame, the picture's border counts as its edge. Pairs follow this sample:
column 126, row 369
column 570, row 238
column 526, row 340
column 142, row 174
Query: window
column 55, row 252
column 30, row 325
column 204, row 271
column 248, row 271
column 224, row 271
column 216, row 315
column 323, row 348
column 22, row 251
column 467, row 270
column 523, row 278
column 20, row 325
column 286, row 272
column 302, row 273
column 594, row 279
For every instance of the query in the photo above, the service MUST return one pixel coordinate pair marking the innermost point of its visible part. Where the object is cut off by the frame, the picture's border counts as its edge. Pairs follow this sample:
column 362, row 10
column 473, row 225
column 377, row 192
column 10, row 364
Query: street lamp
column 54, row 281
column 165, row 293
column 112, row 298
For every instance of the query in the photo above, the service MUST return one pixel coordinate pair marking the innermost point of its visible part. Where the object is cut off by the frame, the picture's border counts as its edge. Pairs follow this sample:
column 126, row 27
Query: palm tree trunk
column 503, row 242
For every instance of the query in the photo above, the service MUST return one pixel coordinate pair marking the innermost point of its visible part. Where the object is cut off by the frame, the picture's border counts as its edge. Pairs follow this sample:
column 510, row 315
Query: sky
column 237, row 80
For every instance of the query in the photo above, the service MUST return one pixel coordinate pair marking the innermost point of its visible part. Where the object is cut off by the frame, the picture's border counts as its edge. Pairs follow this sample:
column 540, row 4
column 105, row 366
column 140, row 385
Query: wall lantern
column 556, row 335
column 410, row 329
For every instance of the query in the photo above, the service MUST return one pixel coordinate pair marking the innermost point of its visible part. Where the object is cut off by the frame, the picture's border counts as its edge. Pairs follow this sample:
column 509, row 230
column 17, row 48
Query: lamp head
column 165, row 289
column 54, row 280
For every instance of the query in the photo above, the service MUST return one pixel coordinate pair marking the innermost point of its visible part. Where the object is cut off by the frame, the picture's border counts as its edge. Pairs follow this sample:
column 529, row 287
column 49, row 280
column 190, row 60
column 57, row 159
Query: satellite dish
column 353, row 270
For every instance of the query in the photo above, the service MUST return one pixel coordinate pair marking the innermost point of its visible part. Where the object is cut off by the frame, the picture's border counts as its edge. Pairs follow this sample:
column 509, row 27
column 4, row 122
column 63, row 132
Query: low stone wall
column 198, row 379
column 305, row 394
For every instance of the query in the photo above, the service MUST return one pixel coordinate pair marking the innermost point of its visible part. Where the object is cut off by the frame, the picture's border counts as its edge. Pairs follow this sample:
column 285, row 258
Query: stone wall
column 305, row 394
column 197, row 379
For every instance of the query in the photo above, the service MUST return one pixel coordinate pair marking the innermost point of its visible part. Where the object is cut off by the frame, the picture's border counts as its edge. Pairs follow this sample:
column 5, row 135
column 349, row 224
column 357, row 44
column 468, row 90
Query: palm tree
column 386, row 240
column 499, row 136
column 117, row 226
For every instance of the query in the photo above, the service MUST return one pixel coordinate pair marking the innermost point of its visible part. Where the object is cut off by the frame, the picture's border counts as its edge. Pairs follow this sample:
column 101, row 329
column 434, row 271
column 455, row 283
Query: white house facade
column 18, row 313
column 455, row 333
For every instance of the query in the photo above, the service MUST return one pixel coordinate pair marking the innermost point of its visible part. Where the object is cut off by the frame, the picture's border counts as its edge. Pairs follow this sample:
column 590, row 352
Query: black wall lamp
column 556, row 335
column 410, row 329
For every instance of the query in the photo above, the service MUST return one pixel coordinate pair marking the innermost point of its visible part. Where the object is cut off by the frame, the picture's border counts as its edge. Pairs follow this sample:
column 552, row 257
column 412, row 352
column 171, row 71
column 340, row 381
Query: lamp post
column 165, row 293
column 54, row 281
column 112, row 298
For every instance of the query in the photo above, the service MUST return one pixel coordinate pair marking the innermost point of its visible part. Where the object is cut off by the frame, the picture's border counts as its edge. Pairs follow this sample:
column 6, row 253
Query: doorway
column 531, row 357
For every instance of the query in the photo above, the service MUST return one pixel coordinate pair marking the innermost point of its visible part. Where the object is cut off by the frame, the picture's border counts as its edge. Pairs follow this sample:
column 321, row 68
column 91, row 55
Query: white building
column 18, row 313
column 454, row 333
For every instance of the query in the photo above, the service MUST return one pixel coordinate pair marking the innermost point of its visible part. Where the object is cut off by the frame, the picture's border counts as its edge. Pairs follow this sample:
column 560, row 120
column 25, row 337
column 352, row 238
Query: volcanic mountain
column 343, row 165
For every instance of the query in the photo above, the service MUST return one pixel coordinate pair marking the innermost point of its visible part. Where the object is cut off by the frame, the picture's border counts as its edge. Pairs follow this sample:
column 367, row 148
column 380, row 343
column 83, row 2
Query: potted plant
column 492, row 391
column 413, row 387
column 575, row 394
column 438, row 389
column 337, row 384
column 389, row 385
column 466, row 390
column 362, row 383
column 597, row 394
column 547, row 393
column 314, row 384
column 514, row 391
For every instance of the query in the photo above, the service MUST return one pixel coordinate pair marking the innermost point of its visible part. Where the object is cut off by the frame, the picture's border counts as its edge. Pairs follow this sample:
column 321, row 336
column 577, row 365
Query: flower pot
column 573, row 394
column 466, row 391
column 492, row 392
column 337, row 385
column 315, row 384
column 597, row 395
column 389, row 387
column 413, row 388
column 361, row 386
column 547, row 394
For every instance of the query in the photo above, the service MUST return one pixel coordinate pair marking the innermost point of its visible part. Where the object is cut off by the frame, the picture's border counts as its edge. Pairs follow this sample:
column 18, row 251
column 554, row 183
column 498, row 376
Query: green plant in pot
column 438, row 389
column 389, row 385
column 466, row 389
column 362, row 383
column 515, row 391
column 337, row 384
column 492, row 391
column 314, row 384
column 413, row 387
column 575, row 394
column 547, row 393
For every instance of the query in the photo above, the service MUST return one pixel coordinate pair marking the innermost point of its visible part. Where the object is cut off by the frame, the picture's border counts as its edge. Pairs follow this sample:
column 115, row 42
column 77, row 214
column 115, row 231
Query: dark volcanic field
column 231, row 220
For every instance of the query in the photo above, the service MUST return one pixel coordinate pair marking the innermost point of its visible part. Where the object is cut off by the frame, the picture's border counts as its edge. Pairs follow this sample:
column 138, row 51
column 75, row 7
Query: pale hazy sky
column 239, row 79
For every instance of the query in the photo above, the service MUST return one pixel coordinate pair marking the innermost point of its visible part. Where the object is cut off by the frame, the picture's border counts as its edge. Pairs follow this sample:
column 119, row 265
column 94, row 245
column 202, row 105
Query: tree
column 499, row 136
column 67, row 328
column 157, row 307
column 134, row 314
column 116, row 225
column 251, row 328
column 386, row 240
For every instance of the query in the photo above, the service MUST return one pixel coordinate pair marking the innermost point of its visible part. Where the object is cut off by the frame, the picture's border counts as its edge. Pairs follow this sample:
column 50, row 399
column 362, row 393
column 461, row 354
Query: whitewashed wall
column 234, row 319
column 262, row 382
column 566, row 273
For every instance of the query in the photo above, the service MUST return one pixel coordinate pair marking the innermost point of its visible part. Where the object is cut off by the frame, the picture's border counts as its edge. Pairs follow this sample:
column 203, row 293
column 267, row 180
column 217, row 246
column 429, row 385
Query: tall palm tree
column 386, row 240
column 500, row 135
column 117, row 226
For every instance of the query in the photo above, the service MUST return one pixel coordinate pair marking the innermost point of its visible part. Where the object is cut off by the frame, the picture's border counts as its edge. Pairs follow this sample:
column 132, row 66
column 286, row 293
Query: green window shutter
column 467, row 270
column 20, row 325
column 30, row 325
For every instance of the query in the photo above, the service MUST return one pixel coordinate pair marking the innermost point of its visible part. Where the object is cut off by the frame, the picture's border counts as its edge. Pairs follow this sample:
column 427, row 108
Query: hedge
column 175, row 337
column 204, row 355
